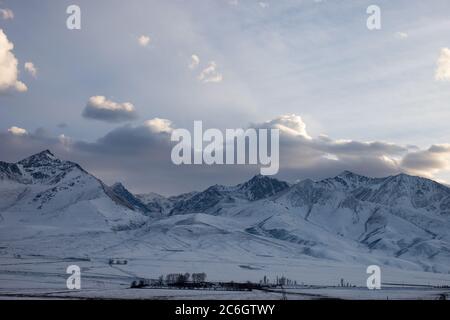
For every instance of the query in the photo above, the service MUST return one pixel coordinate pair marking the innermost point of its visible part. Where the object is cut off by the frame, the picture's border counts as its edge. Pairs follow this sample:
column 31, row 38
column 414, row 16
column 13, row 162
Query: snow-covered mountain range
column 45, row 190
column 55, row 207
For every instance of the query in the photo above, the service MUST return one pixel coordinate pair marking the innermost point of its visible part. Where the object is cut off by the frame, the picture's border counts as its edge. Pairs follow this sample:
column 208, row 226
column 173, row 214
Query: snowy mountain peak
column 45, row 157
column 352, row 176
column 45, row 168
column 260, row 178
column 347, row 174
column 260, row 187
column 51, row 191
column 405, row 178
column 348, row 179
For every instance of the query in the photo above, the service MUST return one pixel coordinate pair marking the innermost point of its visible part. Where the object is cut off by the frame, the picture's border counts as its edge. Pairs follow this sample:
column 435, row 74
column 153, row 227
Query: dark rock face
column 41, row 159
column 200, row 202
column 10, row 171
column 129, row 199
column 209, row 200
column 260, row 187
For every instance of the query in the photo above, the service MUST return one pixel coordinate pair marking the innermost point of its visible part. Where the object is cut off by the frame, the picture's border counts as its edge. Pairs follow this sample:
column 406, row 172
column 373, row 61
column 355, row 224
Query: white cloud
column 17, row 131
column 144, row 40
column 20, row 86
column 65, row 141
column 443, row 66
column 210, row 74
column 29, row 66
column 100, row 108
column 263, row 5
column 401, row 35
column 6, row 14
column 158, row 125
column 195, row 61
column 8, row 67
column 290, row 124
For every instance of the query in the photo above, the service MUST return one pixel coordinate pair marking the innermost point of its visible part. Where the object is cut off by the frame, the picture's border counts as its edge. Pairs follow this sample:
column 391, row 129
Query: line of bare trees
column 180, row 278
column 171, row 279
column 279, row 281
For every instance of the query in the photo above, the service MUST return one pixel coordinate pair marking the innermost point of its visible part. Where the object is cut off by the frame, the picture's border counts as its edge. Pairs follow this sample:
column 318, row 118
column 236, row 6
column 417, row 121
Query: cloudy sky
column 344, row 97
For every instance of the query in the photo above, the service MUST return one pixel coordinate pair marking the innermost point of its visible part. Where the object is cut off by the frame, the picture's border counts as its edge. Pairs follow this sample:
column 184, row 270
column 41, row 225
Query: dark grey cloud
column 131, row 141
column 139, row 155
column 100, row 108
column 14, row 147
column 434, row 159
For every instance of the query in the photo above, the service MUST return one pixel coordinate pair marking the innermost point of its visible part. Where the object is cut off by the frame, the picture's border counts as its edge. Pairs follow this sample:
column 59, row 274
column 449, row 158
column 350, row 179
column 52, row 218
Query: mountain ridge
column 401, row 220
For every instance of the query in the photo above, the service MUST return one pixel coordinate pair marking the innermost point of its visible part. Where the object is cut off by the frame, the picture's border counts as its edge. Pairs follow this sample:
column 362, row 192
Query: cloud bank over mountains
column 139, row 155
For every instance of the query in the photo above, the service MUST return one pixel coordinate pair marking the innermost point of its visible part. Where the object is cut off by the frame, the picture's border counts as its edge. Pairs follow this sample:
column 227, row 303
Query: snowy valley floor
column 44, row 277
